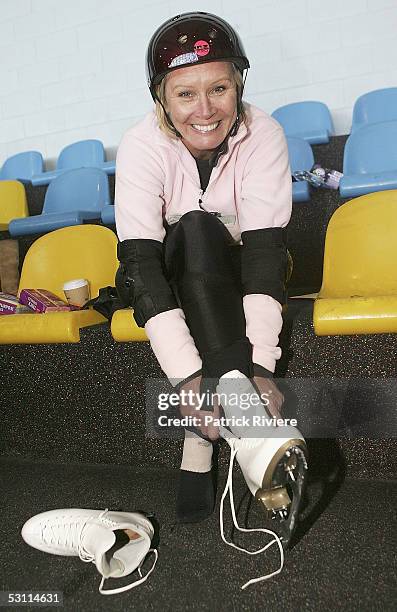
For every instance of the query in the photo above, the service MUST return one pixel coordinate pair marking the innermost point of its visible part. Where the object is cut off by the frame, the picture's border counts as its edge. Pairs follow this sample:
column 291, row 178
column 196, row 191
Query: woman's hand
column 268, row 391
column 190, row 406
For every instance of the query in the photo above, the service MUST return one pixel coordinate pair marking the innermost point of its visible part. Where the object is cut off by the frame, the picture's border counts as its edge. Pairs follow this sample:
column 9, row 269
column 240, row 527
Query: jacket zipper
column 201, row 193
column 200, row 202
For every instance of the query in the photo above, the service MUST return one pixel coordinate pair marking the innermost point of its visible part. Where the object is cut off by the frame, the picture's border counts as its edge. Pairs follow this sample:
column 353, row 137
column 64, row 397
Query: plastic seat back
column 80, row 189
column 375, row 107
column 82, row 154
column 310, row 120
column 371, row 149
column 13, row 204
column 361, row 248
column 82, row 251
column 22, row 166
column 300, row 154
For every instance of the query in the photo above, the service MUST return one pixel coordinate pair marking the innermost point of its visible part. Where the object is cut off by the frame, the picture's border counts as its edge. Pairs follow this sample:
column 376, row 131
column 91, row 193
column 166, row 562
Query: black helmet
column 189, row 39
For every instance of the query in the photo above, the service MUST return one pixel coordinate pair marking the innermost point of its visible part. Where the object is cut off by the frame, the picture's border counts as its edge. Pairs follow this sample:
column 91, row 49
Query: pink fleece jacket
column 157, row 177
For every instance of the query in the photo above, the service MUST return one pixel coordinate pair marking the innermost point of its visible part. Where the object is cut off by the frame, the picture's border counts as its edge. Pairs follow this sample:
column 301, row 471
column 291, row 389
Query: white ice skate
column 273, row 459
column 89, row 535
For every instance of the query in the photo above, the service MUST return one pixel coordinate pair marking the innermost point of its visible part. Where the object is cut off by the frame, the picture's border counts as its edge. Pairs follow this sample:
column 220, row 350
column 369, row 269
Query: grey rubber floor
column 344, row 559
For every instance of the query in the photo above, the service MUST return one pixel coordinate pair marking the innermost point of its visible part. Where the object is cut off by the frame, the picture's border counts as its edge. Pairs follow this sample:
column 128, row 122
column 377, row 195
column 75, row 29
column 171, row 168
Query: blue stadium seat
column 72, row 198
column 109, row 167
column 370, row 160
column 311, row 121
column 107, row 215
column 375, row 107
column 22, row 166
column 300, row 158
column 81, row 154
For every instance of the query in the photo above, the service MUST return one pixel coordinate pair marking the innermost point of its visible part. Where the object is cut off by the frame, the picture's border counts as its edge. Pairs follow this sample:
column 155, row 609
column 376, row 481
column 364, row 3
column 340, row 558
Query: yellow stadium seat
column 359, row 288
column 82, row 251
column 124, row 328
column 13, row 204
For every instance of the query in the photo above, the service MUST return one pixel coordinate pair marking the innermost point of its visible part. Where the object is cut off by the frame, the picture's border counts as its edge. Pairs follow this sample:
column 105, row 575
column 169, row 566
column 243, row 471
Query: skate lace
column 71, row 536
column 135, row 583
column 276, row 539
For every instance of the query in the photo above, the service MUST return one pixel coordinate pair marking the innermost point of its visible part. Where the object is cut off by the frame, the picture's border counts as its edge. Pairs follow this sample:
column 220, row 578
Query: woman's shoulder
column 144, row 130
column 258, row 121
column 142, row 141
column 263, row 133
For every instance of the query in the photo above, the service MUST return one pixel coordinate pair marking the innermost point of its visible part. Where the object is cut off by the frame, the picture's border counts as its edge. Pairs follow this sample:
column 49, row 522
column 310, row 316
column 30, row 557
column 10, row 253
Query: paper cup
column 77, row 292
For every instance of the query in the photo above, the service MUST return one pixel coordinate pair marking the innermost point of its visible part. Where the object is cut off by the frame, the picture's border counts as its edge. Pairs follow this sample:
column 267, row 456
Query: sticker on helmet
column 185, row 58
column 201, row 47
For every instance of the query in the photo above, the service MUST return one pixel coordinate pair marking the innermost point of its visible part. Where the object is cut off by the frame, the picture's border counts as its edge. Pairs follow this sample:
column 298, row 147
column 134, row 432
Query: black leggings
column 204, row 269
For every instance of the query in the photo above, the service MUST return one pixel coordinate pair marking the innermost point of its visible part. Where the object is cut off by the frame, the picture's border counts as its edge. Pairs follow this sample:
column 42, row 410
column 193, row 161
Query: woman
column 203, row 194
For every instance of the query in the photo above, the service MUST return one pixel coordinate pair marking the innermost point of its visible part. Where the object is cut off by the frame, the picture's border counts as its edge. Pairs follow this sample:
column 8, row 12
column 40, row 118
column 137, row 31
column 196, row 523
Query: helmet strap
column 171, row 125
column 236, row 124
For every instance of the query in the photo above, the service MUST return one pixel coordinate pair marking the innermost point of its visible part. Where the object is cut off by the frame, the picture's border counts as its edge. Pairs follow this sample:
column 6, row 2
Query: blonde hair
column 162, row 119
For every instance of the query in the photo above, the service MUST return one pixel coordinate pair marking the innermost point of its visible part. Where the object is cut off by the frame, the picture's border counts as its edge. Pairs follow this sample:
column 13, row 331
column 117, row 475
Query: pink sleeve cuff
column 263, row 325
column 173, row 345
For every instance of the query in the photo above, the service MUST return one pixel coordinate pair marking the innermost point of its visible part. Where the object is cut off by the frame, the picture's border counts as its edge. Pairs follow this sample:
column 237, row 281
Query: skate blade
column 282, row 487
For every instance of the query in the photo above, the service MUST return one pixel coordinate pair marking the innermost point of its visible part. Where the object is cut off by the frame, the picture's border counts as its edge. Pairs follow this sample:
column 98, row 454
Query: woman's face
column 201, row 101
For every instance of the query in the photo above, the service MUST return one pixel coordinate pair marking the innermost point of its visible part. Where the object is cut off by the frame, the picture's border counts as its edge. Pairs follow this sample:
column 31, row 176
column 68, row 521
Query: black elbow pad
column 264, row 262
column 140, row 279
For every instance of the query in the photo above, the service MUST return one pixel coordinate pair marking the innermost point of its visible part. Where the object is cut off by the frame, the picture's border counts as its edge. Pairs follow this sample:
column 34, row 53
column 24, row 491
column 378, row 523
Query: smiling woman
column 203, row 194
column 228, row 84
column 201, row 102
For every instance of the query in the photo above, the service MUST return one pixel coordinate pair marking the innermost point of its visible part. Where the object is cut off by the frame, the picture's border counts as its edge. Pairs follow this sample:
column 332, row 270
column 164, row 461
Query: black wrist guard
column 183, row 382
column 264, row 262
column 262, row 372
column 140, row 280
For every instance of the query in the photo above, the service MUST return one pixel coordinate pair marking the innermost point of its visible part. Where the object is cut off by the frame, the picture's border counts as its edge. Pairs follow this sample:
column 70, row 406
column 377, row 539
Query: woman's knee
column 199, row 243
column 199, row 223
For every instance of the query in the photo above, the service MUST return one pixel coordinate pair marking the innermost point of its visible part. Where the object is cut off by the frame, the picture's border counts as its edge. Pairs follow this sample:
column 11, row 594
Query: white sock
column 197, row 453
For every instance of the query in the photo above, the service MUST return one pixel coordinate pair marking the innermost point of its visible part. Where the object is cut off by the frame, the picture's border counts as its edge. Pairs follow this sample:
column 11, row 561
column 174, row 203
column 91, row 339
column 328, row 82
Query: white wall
column 73, row 69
